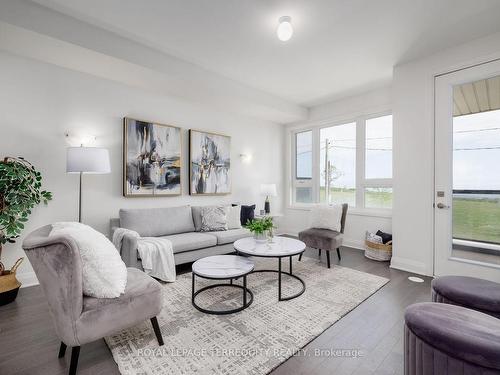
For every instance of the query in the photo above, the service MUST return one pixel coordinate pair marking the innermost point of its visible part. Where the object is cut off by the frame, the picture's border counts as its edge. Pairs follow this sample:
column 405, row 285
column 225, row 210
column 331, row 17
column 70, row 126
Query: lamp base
column 267, row 207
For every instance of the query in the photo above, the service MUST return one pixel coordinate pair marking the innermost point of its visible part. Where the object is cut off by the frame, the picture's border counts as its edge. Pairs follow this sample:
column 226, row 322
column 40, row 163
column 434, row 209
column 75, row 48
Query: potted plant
column 20, row 191
column 260, row 228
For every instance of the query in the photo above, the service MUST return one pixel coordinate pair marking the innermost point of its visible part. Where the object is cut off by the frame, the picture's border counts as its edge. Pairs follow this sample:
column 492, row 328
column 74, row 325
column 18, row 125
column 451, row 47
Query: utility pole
column 327, row 172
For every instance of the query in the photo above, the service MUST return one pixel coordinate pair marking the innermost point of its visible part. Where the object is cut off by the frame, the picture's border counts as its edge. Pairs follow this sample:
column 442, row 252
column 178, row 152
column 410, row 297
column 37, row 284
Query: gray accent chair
column 325, row 239
column 443, row 339
column 181, row 225
column 473, row 293
column 80, row 319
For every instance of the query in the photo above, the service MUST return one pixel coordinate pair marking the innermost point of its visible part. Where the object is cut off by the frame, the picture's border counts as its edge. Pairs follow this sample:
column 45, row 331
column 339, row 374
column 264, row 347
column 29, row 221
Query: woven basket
column 9, row 285
column 378, row 251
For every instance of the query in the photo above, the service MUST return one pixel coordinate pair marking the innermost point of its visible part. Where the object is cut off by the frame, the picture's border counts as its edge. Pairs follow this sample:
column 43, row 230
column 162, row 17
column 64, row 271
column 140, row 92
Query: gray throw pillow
column 214, row 218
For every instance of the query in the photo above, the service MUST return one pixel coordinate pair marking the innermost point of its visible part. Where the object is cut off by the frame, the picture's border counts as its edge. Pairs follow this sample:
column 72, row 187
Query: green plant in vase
column 20, row 192
column 260, row 228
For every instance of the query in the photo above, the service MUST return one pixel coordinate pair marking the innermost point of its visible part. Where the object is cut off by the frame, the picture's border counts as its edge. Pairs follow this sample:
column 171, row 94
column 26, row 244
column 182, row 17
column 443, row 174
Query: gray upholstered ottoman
column 476, row 294
column 443, row 339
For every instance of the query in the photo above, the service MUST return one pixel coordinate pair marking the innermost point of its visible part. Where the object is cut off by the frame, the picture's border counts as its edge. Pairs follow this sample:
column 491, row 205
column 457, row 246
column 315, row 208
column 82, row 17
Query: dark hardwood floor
column 375, row 328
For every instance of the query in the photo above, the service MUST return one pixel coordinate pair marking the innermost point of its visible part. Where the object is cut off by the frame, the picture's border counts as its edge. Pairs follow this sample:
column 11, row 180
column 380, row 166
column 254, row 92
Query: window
column 378, row 162
column 378, row 146
column 303, row 190
column 338, row 164
column 303, row 160
column 349, row 162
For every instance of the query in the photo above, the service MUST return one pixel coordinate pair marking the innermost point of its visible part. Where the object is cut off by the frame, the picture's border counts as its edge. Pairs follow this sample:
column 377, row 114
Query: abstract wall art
column 152, row 159
column 209, row 163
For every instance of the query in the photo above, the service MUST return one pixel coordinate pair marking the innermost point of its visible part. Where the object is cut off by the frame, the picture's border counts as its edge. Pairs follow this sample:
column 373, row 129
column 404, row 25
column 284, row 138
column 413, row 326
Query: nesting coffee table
column 222, row 267
column 281, row 247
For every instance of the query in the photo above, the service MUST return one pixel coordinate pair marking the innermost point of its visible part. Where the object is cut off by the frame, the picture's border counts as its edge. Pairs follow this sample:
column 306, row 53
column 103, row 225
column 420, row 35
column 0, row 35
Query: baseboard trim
column 409, row 265
column 27, row 279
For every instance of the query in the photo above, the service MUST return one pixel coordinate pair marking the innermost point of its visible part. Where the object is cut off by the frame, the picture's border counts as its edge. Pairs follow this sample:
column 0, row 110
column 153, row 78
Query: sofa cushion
column 191, row 241
column 155, row 222
column 231, row 235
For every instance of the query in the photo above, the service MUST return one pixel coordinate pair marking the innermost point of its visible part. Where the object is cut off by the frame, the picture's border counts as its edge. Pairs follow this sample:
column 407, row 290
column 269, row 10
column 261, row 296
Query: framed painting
column 209, row 163
column 152, row 159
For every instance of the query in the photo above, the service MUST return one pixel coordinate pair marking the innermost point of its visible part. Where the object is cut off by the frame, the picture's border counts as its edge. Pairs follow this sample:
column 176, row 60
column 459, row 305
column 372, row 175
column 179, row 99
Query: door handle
column 442, row 206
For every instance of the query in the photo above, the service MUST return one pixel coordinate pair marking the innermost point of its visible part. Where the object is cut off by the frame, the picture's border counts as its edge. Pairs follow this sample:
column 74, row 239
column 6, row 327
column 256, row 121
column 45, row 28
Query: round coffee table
column 223, row 267
column 281, row 247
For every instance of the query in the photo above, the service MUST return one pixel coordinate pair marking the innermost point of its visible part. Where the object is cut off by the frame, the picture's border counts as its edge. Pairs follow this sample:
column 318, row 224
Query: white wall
column 358, row 220
column 413, row 116
column 40, row 102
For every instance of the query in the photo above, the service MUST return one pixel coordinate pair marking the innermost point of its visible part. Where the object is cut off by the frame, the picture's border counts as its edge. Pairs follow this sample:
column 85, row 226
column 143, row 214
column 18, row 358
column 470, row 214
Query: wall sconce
column 77, row 140
column 246, row 158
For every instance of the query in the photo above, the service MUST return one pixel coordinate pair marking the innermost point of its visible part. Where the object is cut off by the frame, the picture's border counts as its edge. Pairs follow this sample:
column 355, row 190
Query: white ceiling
column 339, row 48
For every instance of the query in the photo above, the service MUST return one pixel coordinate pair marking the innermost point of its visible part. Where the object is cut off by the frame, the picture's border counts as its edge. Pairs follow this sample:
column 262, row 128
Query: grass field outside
column 477, row 218
column 374, row 197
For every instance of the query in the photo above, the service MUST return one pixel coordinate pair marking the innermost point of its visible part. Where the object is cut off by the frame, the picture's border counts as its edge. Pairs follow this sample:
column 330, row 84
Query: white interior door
column 467, row 172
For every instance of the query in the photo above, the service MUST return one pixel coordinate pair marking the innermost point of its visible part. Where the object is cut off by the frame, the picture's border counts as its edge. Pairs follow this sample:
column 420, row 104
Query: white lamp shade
column 87, row 160
column 268, row 189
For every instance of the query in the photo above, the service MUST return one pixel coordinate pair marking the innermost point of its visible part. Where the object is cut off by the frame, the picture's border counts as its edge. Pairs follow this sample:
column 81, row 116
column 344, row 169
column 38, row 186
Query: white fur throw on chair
column 103, row 271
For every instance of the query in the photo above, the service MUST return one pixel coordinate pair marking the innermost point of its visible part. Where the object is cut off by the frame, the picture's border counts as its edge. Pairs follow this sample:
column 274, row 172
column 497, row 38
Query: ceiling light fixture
column 285, row 29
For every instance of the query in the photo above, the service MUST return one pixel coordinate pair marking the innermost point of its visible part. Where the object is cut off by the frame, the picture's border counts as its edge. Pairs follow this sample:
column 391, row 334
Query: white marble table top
column 281, row 247
column 222, row 266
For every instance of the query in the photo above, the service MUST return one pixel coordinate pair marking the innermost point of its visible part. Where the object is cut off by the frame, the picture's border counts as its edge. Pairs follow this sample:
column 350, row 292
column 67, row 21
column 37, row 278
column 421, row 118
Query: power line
column 386, row 149
column 477, row 148
column 476, row 130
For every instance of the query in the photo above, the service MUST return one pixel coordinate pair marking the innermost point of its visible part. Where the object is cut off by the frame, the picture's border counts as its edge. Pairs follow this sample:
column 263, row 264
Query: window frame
column 361, row 181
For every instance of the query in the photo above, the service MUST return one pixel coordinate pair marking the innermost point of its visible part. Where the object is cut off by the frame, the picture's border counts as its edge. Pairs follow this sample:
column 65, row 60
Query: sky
column 476, row 151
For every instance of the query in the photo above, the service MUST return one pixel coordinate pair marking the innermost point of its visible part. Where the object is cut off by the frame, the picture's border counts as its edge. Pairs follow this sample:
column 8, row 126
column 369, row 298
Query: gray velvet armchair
column 325, row 239
column 79, row 319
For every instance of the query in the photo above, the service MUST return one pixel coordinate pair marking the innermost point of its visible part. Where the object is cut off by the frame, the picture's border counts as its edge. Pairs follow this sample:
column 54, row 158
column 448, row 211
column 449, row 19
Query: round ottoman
column 443, row 339
column 476, row 294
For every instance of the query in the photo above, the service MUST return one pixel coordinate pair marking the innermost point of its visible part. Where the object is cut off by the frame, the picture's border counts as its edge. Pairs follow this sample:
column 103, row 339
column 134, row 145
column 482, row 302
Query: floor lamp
column 88, row 160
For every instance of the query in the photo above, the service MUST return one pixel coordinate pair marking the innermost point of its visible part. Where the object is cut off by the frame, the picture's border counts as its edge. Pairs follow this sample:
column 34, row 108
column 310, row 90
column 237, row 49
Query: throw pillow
column 371, row 237
column 247, row 214
column 386, row 237
column 327, row 217
column 233, row 217
column 214, row 218
column 196, row 211
column 103, row 271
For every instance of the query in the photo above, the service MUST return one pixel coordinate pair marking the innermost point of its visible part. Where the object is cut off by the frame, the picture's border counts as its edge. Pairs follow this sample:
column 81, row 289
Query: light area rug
column 253, row 341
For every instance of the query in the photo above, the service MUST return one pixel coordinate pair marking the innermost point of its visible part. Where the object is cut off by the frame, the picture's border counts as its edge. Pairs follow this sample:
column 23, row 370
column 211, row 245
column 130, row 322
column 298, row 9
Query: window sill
column 385, row 213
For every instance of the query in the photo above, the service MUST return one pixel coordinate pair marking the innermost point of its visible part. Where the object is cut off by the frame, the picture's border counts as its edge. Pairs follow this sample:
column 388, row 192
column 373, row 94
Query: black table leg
column 244, row 290
column 282, row 272
column 192, row 289
column 279, row 279
column 246, row 301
